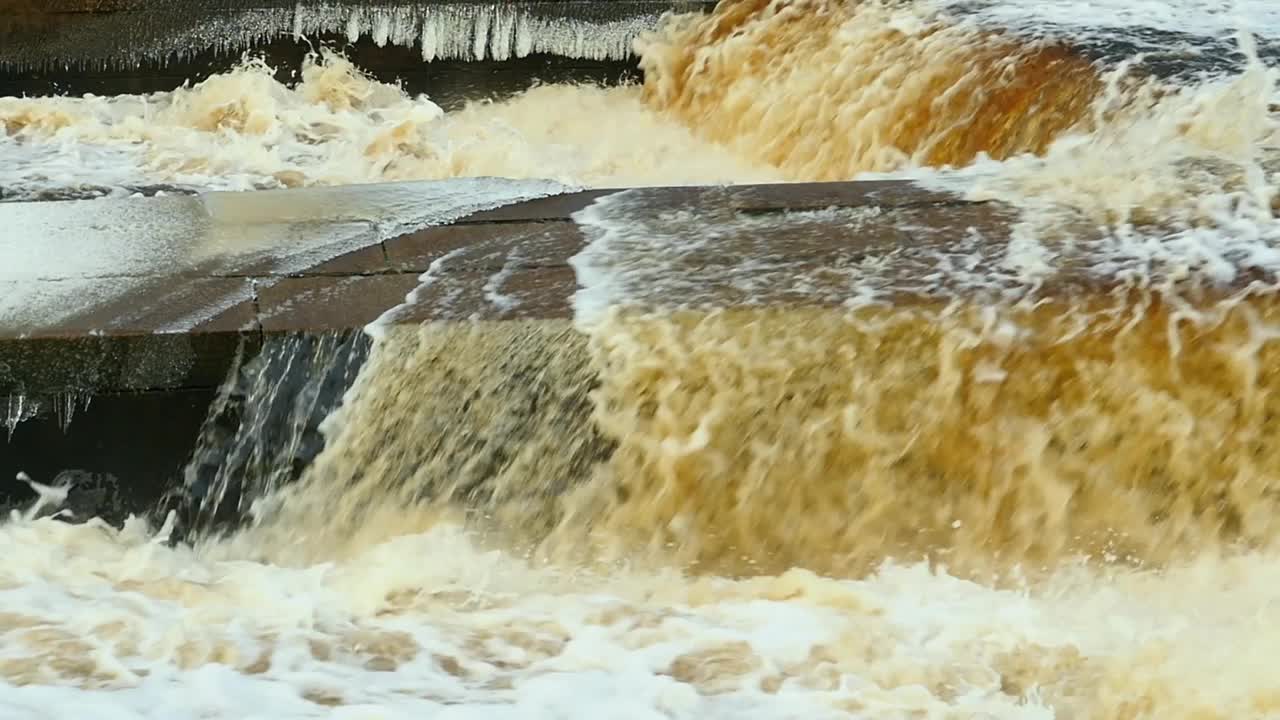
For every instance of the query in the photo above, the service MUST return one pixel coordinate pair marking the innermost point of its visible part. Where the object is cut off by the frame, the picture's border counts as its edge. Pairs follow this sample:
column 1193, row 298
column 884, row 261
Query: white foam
column 243, row 130
column 482, row 635
column 493, row 286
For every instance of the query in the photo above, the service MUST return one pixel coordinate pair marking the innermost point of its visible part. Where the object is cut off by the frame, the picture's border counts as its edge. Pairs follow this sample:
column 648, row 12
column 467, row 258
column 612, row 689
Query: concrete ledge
column 128, row 343
column 178, row 323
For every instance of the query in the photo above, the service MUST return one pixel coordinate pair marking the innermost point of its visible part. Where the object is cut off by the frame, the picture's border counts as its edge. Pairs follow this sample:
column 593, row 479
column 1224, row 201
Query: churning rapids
column 963, row 489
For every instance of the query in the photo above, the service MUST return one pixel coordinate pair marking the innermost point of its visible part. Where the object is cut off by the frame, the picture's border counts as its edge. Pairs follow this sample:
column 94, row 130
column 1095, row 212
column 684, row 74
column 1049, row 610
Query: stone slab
column 365, row 261
column 318, row 304
column 538, row 293
column 487, row 246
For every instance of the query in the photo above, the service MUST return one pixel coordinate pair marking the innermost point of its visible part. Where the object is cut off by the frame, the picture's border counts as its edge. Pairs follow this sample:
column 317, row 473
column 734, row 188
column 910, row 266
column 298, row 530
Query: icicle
column 480, row 35
column 21, row 408
column 404, row 27
column 430, row 40
column 381, row 29
column 524, row 38
column 353, row 25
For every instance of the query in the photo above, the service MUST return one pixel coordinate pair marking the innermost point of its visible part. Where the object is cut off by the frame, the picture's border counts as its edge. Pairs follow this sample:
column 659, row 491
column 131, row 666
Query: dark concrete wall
column 121, row 453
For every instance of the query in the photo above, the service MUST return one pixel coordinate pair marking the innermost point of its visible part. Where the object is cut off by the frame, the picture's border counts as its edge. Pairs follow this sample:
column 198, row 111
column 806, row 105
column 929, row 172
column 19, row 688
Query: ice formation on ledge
column 461, row 31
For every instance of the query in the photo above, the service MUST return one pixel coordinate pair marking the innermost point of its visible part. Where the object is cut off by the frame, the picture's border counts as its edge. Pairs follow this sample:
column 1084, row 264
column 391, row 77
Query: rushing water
column 1030, row 479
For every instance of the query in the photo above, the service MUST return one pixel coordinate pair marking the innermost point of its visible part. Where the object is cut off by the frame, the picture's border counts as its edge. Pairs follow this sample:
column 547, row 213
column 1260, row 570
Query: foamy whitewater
column 243, row 130
column 987, row 501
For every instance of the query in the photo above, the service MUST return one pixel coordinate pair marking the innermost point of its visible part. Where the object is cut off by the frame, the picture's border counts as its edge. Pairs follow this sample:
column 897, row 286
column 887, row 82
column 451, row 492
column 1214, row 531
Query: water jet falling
column 504, row 432
column 264, row 428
